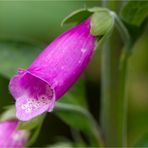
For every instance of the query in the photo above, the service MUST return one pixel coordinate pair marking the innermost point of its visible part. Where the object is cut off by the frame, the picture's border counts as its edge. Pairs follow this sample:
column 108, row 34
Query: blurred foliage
column 138, row 87
column 143, row 142
column 8, row 113
column 135, row 15
column 35, row 19
column 17, row 53
column 61, row 144
column 139, row 12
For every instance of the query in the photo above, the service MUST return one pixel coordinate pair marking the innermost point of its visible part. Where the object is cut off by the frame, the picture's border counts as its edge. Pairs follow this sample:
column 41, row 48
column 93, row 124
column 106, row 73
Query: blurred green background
column 26, row 27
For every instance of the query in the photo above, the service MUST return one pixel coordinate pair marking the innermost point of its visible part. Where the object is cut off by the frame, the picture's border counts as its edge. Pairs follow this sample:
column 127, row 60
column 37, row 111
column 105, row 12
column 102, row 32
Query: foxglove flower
column 10, row 136
column 53, row 72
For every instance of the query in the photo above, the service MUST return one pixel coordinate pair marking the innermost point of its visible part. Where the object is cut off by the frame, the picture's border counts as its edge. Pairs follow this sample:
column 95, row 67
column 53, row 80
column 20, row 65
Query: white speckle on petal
column 83, row 50
column 28, row 110
column 32, row 104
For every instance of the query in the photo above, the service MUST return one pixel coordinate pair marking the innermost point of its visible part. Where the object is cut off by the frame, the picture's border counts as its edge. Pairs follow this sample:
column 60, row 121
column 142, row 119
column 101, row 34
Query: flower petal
column 27, row 108
column 14, row 85
column 33, row 95
column 10, row 136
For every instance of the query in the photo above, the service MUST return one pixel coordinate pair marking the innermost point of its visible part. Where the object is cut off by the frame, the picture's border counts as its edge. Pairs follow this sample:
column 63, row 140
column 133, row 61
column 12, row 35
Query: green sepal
column 31, row 124
column 97, row 9
column 101, row 22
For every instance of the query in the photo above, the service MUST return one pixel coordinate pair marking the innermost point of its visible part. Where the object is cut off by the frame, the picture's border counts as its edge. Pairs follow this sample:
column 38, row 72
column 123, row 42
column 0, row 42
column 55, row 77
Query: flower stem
column 122, row 30
column 73, row 108
column 114, row 103
column 110, row 102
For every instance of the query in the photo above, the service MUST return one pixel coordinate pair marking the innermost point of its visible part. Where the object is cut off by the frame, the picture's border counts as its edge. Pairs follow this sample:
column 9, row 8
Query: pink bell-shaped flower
column 10, row 137
column 53, row 72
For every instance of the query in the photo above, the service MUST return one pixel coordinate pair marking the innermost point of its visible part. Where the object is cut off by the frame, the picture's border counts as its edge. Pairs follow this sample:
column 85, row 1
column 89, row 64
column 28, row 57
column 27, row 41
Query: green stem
column 114, row 103
column 110, row 83
column 73, row 108
column 123, row 67
column 123, row 31
column 122, row 95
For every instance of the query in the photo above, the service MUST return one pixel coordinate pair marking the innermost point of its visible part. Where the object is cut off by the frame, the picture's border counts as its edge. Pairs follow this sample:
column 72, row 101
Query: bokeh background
column 26, row 27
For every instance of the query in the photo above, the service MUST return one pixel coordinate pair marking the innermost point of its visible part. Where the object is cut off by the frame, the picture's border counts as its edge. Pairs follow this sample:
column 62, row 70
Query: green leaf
column 75, row 96
column 76, row 16
column 73, row 115
column 8, row 114
column 101, row 23
column 143, row 141
column 135, row 12
column 31, row 124
column 79, row 118
column 72, row 109
column 17, row 54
